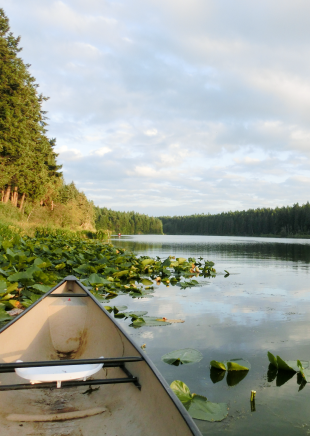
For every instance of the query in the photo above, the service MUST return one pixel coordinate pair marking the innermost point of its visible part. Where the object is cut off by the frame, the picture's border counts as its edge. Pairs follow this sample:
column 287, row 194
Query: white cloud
column 151, row 132
column 102, row 151
column 169, row 107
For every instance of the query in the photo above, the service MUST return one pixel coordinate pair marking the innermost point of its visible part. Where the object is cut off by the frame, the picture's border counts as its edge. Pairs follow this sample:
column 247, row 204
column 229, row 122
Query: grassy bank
column 40, row 221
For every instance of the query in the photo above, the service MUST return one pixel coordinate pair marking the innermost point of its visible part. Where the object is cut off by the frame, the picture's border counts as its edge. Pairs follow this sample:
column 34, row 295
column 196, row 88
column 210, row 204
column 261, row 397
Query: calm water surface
column 264, row 305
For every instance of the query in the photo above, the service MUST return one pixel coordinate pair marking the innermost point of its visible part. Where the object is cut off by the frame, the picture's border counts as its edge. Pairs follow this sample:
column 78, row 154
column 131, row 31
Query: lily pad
column 272, row 359
column 136, row 313
column 146, row 262
column 146, row 282
column 198, row 406
column 84, row 269
column 115, row 309
column 205, row 410
column 185, row 356
column 219, row 365
column 231, row 365
column 121, row 273
column 4, row 273
column 183, row 392
column 238, row 365
column 3, row 287
column 148, row 321
column 42, row 288
column 139, row 293
column 95, row 279
column 189, row 284
column 22, row 277
column 4, row 316
column 304, row 370
column 101, row 298
column 287, row 365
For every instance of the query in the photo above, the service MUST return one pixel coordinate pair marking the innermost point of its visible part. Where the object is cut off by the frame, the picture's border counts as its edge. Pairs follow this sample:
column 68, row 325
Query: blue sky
column 169, row 107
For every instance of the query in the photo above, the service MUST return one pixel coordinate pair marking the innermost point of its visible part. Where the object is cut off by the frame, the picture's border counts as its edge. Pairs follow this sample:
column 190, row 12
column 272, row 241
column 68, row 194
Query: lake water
column 263, row 305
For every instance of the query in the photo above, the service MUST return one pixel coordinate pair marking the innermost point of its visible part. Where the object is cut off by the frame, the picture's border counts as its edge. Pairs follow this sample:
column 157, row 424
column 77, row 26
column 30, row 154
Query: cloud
column 169, row 107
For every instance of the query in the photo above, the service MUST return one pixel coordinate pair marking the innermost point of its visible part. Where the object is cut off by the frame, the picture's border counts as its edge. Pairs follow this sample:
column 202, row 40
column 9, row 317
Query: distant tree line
column 127, row 223
column 281, row 221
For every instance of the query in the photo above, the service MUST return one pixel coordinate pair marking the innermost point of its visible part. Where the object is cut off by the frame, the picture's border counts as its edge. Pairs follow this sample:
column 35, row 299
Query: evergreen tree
column 27, row 161
column 284, row 221
column 128, row 223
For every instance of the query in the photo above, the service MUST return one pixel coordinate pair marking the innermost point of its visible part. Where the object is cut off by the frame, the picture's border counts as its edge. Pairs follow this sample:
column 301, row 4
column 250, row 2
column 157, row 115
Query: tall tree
column 27, row 160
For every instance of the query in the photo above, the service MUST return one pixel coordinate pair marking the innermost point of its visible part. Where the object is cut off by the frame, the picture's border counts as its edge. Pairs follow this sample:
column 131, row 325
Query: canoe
column 69, row 369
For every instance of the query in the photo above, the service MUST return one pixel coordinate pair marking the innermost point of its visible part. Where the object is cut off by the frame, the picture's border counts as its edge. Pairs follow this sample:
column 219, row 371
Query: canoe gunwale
column 179, row 406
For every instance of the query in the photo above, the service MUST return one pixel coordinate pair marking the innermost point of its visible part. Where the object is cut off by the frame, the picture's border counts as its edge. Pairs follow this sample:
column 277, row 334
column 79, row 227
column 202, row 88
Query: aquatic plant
column 29, row 267
column 179, row 357
column 198, row 406
column 231, row 365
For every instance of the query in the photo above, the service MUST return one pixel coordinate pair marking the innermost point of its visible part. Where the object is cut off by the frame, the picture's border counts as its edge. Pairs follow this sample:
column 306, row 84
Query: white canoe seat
column 41, row 374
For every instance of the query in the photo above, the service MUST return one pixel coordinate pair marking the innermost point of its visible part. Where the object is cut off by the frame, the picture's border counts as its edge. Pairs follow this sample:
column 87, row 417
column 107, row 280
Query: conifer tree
column 27, row 161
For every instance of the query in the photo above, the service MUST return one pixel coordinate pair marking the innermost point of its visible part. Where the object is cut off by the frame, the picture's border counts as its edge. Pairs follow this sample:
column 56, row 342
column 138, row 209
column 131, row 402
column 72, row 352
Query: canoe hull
column 49, row 330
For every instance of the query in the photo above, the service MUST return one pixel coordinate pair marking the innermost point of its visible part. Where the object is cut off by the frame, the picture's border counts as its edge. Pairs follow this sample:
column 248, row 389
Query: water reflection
column 248, row 248
column 235, row 377
column 283, row 377
column 263, row 305
column 232, row 377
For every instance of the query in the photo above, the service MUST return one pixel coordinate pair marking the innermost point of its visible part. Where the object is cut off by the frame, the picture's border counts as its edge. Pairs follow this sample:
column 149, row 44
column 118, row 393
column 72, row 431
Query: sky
column 174, row 108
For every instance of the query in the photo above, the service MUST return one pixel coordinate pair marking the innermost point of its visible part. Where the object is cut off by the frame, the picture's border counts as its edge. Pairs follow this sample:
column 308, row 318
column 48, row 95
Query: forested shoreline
column 280, row 222
column 128, row 223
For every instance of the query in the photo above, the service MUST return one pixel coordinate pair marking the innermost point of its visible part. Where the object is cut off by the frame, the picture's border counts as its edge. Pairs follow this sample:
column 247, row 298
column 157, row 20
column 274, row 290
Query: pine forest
column 282, row 222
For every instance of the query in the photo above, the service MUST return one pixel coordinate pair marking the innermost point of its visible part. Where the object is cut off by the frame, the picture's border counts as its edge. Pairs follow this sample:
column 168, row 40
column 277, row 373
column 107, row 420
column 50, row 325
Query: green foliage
column 304, row 370
column 286, row 365
column 184, row 356
column 281, row 222
column 218, row 365
column 29, row 267
column 284, row 370
column 128, row 223
column 188, row 284
column 238, row 365
column 231, row 365
column 198, row 406
column 4, row 316
column 147, row 321
column 27, row 159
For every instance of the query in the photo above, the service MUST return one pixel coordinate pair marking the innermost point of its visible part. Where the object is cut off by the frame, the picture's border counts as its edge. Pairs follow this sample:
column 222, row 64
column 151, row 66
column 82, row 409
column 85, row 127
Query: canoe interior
column 77, row 328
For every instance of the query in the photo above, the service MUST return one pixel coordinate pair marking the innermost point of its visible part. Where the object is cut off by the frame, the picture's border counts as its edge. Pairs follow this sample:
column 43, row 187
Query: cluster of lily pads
column 286, row 369
column 235, row 369
column 138, row 318
column 198, row 406
column 29, row 267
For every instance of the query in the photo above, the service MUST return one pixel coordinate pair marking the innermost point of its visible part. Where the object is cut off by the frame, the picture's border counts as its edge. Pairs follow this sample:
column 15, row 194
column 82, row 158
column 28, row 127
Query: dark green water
column 264, row 305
